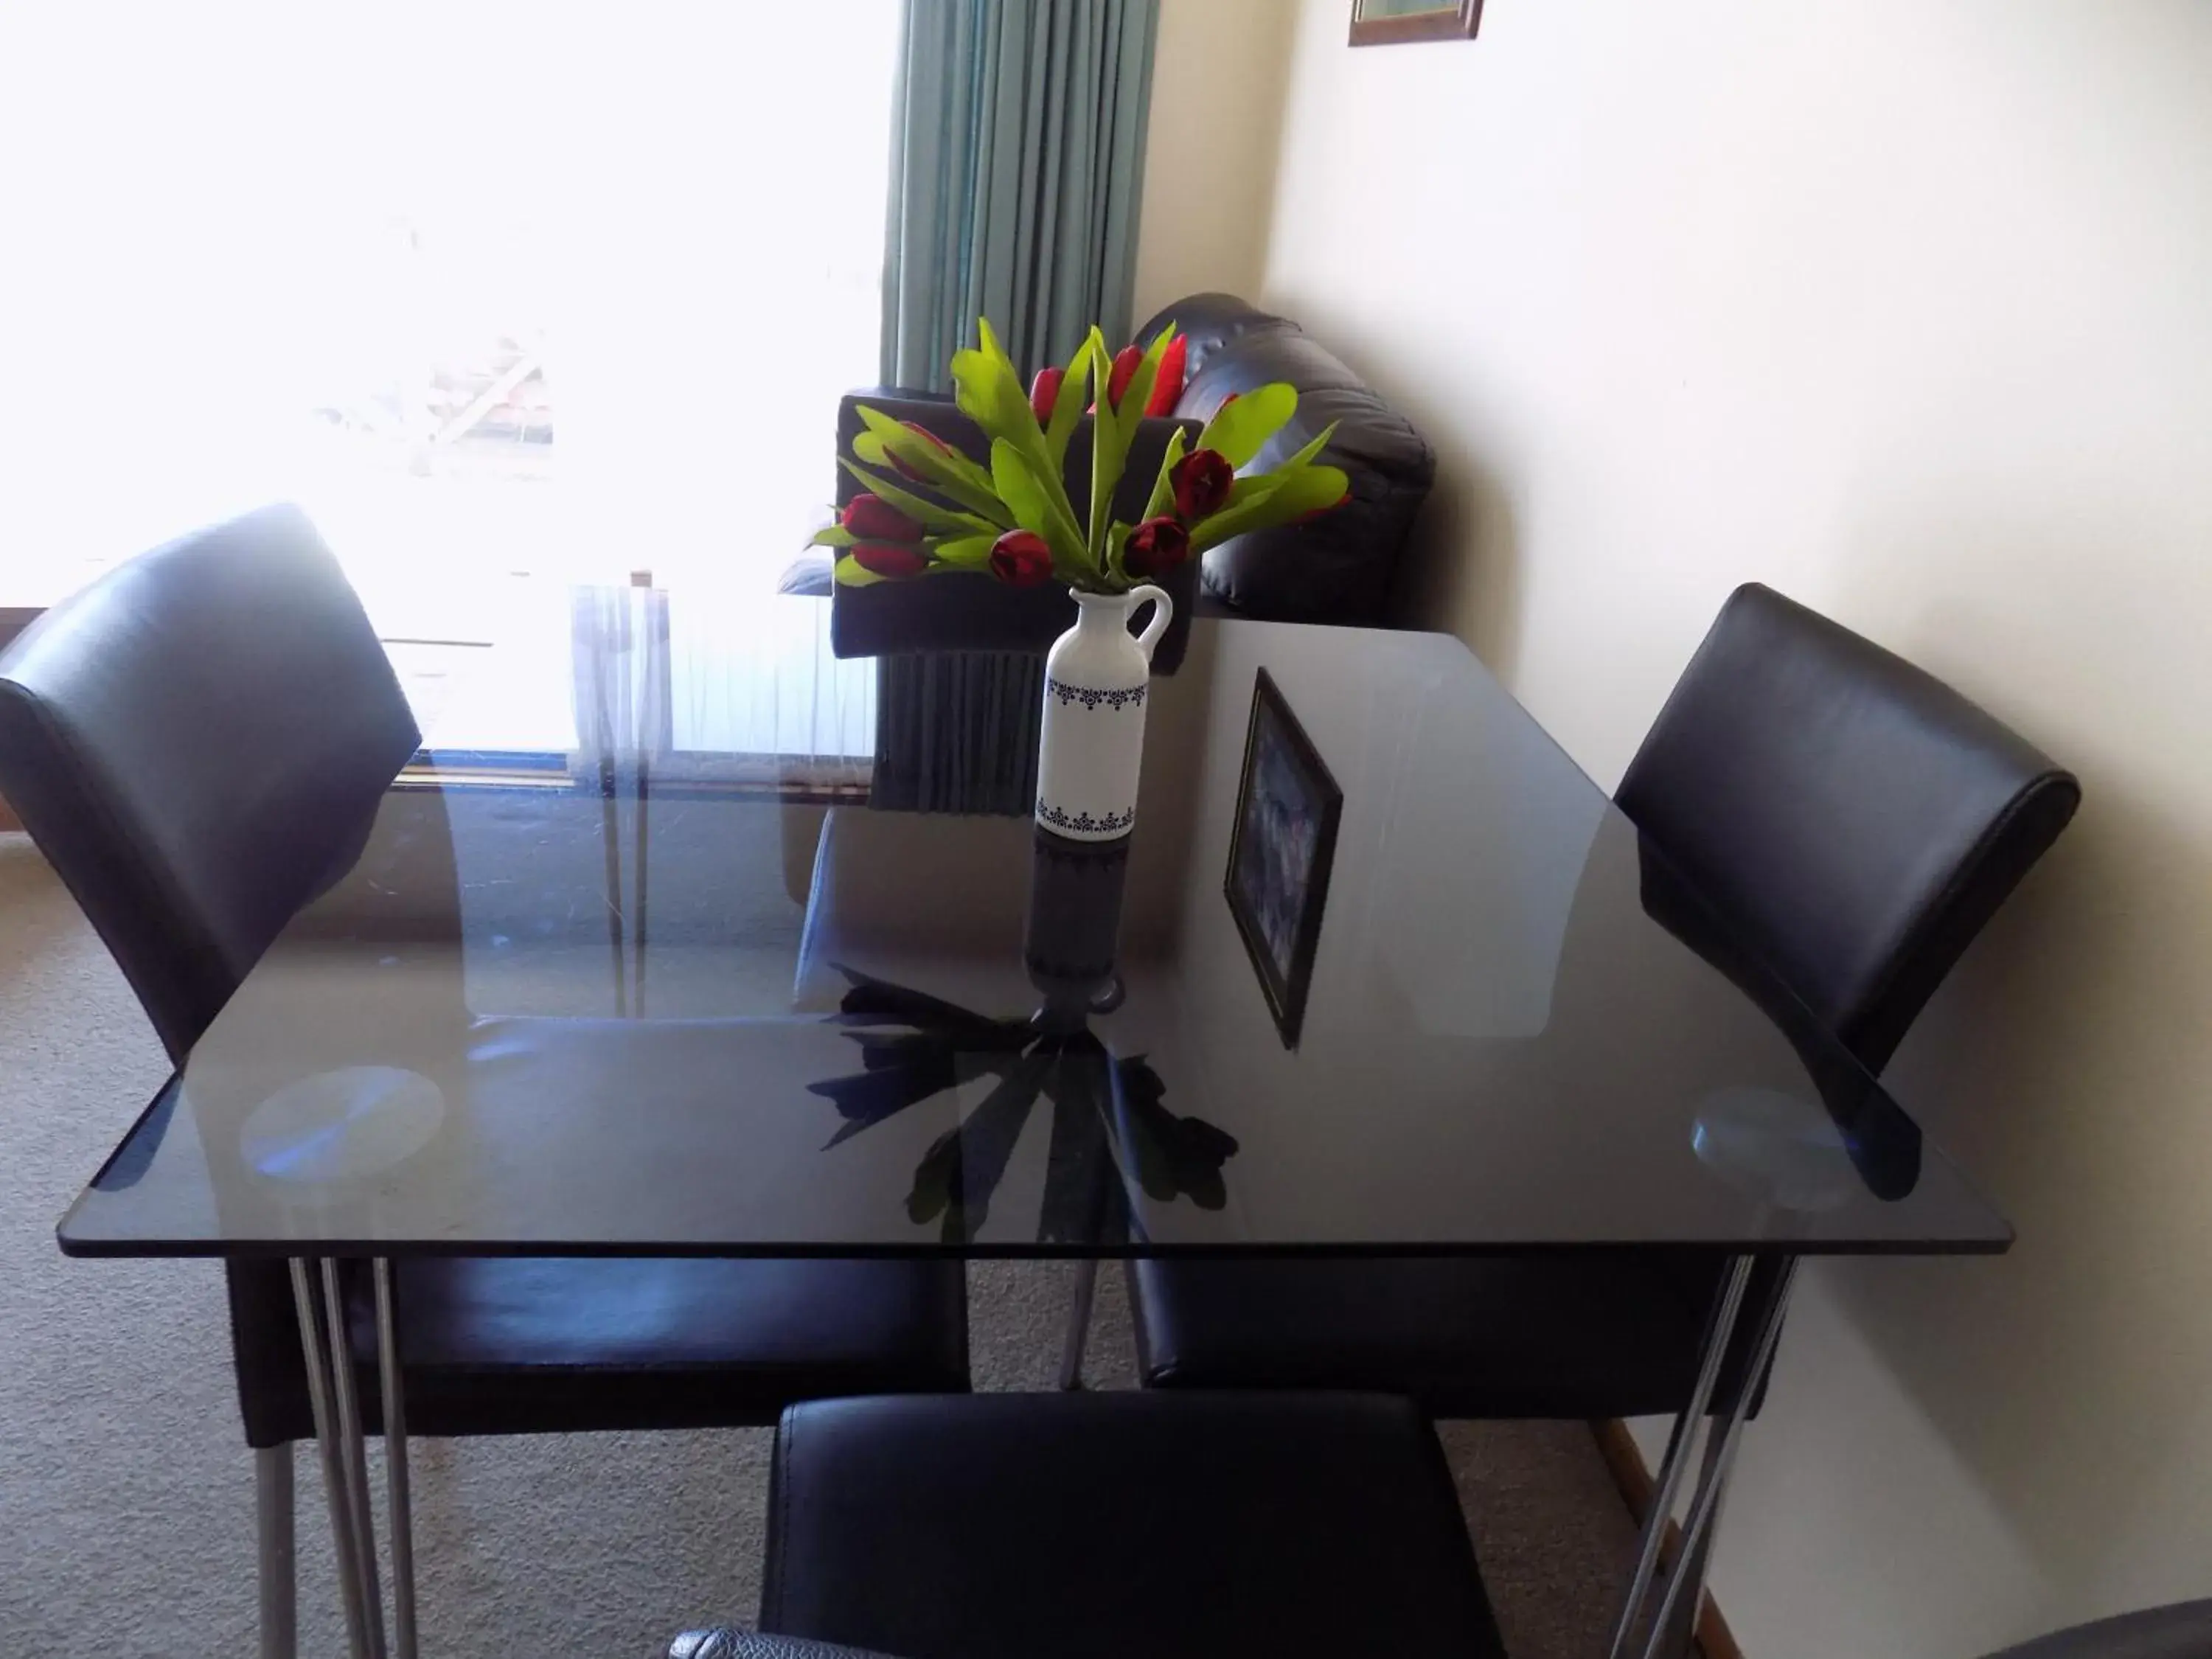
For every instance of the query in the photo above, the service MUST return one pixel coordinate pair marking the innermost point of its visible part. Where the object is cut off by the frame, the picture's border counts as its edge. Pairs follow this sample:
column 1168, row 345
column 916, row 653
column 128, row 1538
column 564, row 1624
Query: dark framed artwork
column 1279, row 853
column 1395, row 22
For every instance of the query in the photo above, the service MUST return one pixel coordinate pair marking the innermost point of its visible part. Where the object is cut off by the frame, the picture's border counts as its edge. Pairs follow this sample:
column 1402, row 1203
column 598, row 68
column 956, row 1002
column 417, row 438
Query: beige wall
column 1209, row 151
column 1905, row 307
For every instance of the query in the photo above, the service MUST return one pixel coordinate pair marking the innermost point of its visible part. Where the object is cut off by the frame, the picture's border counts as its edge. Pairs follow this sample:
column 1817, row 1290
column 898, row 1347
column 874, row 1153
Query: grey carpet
column 126, row 1492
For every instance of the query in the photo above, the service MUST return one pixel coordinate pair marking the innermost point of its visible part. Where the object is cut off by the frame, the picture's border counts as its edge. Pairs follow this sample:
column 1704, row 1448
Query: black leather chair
column 199, row 743
column 2183, row 1631
column 1851, row 823
column 1100, row 1526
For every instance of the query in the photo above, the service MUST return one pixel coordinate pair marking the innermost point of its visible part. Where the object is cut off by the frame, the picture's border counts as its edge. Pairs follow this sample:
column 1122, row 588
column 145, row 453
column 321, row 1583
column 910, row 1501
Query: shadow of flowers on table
column 1110, row 1125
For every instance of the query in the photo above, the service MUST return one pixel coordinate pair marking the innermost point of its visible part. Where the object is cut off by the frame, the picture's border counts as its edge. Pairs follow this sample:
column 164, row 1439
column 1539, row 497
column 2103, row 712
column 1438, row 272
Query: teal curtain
column 1018, row 159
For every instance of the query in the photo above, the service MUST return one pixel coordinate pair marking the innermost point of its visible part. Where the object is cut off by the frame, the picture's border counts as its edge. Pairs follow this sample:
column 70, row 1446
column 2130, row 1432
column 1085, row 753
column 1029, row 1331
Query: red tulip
column 1125, row 363
column 1156, row 546
column 1020, row 558
column 1167, row 390
column 1045, row 391
column 874, row 519
column 1201, row 481
column 892, row 559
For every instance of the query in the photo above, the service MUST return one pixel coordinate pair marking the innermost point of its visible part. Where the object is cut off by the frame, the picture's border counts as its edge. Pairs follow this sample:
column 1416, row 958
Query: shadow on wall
column 1461, row 571
column 2062, row 1067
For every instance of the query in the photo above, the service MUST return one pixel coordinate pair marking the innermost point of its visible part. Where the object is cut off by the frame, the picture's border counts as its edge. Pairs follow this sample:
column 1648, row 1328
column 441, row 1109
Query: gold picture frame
column 1399, row 22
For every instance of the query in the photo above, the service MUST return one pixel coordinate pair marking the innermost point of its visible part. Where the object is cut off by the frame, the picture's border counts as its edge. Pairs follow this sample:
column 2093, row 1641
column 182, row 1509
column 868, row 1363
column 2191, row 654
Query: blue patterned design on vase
column 1091, row 698
column 1082, row 823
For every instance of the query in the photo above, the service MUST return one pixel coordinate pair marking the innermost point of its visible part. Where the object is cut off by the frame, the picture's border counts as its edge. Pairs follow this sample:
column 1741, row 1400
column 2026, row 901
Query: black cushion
column 1342, row 567
column 1617, row 1334
column 530, row 1345
column 199, row 743
column 1830, row 827
column 1102, row 1526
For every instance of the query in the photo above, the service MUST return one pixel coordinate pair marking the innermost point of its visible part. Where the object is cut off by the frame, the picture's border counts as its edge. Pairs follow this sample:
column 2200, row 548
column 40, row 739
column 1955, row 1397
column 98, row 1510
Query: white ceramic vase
column 1096, row 682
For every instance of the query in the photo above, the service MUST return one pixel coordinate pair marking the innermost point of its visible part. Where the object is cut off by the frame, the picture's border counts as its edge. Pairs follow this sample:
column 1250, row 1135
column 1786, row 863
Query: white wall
column 1209, row 150
column 1905, row 307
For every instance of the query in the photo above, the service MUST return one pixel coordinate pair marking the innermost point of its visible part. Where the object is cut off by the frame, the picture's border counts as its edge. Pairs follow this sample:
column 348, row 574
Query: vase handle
column 1163, row 614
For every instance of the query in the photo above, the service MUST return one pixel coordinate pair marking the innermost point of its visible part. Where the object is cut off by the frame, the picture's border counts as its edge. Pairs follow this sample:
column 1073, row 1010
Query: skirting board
column 1625, row 1459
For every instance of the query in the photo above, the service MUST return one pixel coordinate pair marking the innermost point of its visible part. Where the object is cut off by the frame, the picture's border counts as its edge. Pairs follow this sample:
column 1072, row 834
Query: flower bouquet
column 927, row 510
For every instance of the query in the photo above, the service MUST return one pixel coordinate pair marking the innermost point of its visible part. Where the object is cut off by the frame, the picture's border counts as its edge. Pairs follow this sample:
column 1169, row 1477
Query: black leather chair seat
column 1104, row 1526
column 1610, row 1335
column 659, row 1343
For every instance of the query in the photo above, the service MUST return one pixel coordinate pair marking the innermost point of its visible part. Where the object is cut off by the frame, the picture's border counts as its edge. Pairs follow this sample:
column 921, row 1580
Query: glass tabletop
column 660, row 994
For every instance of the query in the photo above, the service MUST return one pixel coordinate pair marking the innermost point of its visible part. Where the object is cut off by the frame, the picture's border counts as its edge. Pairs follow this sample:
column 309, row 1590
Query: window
column 490, row 288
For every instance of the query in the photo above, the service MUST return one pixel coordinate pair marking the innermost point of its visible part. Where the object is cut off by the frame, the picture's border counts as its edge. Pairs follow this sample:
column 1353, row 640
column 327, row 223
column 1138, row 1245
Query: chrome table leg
column 355, row 1451
column 274, row 1530
column 334, row 1474
column 401, row 1511
column 1719, row 1329
column 1670, row 1633
column 1079, row 1324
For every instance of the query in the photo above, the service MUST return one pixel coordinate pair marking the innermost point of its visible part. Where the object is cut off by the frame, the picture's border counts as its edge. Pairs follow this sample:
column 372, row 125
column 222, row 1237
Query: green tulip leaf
column 1307, row 490
column 946, row 470
column 990, row 393
column 1307, row 456
column 1109, row 451
column 1067, row 406
column 834, row 535
column 930, row 515
column 1117, row 547
column 1036, row 507
column 851, row 573
column 963, row 552
column 1163, row 496
column 1239, row 429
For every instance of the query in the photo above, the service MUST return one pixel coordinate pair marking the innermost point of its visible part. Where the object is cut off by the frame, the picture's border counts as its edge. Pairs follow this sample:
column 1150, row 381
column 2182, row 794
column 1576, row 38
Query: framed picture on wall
column 1395, row 23
column 1279, row 853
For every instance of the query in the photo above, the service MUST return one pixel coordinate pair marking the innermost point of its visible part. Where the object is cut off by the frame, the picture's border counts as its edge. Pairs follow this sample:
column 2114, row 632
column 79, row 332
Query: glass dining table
column 638, row 956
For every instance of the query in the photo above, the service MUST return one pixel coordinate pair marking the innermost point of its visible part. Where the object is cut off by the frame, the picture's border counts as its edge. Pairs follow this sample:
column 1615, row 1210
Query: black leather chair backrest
column 198, row 742
column 1851, row 819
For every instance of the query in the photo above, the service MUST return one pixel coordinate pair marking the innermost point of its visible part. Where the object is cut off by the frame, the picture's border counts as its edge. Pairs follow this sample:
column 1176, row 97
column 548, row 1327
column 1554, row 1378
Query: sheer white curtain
column 250, row 247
